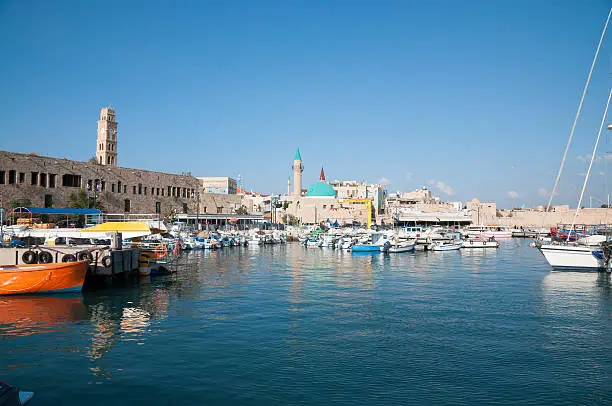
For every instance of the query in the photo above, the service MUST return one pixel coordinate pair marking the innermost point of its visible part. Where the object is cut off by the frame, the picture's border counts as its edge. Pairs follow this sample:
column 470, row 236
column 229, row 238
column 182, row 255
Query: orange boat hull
column 42, row 278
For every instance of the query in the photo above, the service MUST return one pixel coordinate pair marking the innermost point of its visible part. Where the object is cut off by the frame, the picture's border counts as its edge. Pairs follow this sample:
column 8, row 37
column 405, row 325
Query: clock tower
column 106, row 150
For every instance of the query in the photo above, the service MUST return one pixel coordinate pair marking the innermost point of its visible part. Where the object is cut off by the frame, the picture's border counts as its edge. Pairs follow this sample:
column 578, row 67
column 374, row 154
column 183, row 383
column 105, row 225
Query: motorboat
column 480, row 243
column 445, row 245
column 380, row 243
column 59, row 277
column 402, row 246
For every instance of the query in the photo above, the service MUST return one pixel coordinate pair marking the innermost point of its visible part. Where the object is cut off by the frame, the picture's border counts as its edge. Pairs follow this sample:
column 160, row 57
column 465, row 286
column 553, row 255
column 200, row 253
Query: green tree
column 80, row 200
column 13, row 204
column 241, row 211
column 289, row 219
column 92, row 160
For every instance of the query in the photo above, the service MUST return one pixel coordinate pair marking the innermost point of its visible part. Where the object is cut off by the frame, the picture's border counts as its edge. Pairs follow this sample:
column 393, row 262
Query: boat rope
column 586, row 178
column 569, row 141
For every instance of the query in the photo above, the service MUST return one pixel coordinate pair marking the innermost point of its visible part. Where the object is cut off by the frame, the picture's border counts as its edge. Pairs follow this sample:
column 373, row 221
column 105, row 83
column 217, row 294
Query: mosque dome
column 321, row 189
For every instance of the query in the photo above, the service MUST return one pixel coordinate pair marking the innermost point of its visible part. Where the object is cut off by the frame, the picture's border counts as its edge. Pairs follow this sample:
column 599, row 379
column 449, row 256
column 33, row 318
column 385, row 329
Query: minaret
column 322, row 175
column 298, row 168
column 106, row 150
column 288, row 185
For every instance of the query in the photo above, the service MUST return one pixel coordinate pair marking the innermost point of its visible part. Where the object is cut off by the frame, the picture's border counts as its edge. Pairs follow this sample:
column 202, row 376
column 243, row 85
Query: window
column 43, row 179
column 325, row 206
column 112, row 187
column 48, row 201
column 134, row 189
column 108, row 160
column 70, row 180
column 204, row 209
column 140, row 188
column 162, row 191
column 219, row 210
column 158, row 207
column 34, row 178
column 157, row 191
column 185, row 208
column 169, row 190
column 11, row 178
column 52, row 180
column 21, row 177
column 2, row 174
column 126, row 205
column 119, row 187
column 124, row 188
column 102, row 185
column 145, row 190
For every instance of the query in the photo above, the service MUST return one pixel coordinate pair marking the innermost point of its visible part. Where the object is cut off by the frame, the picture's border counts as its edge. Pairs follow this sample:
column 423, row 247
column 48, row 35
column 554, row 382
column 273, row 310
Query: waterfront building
column 319, row 202
column 221, row 185
column 361, row 190
column 422, row 207
column 49, row 182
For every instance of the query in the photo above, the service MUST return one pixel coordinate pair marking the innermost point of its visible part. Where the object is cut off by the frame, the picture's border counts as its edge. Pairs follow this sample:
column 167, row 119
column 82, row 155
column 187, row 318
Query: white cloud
column 444, row 188
column 542, row 192
column 513, row 194
column 383, row 181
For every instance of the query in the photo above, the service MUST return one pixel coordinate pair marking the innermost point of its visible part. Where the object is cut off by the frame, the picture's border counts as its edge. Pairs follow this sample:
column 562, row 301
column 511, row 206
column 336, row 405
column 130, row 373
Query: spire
column 322, row 175
column 297, row 157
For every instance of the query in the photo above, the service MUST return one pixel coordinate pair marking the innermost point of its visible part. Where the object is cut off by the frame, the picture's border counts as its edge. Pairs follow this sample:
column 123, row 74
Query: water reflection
column 27, row 315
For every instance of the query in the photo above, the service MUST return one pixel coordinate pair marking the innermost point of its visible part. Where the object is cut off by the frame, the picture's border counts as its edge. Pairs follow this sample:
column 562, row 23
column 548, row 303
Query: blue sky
column 473, row 98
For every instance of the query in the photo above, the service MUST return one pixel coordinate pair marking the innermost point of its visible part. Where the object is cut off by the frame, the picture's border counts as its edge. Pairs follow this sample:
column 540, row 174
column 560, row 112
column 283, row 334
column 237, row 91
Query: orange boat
column 42, row 278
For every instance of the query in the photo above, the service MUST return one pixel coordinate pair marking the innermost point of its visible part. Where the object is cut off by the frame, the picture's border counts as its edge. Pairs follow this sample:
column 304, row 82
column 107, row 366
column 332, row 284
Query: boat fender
column 69, row 258
column 106, row 261
column 45, row 257
column 30, row 257
column 85, row 255
column 160, row 251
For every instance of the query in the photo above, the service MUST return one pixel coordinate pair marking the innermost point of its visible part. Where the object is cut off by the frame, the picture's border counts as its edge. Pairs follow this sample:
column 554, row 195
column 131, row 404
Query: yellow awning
column 129, row 229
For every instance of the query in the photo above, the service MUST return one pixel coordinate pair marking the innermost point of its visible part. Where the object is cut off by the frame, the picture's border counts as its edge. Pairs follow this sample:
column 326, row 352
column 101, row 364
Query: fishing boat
column 380, row 243
column 402, row 246
column 445, row 246
column 42, row 278
column 570, row 256
column 481, row 243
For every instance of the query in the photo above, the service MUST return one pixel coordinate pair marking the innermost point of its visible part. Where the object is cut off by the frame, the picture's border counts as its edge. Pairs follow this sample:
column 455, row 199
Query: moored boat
column 481, row 243
column 42, row 278
column 403, row 246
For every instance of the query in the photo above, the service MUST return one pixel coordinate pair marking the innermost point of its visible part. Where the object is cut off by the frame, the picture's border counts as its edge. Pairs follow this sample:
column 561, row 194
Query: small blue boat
column 380, row 243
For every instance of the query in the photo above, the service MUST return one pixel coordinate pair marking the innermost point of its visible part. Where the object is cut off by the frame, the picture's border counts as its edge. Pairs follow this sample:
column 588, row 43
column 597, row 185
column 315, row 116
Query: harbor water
column 289, row 325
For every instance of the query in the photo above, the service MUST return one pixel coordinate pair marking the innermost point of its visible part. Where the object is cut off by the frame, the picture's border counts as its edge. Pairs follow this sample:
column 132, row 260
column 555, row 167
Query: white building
column 220, row 185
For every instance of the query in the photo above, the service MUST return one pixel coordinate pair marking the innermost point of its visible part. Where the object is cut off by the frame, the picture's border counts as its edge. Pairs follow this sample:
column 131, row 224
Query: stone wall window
column 34, row 178
column 21, row 177
column 124, row 188
column 134, row 189
column 11, row 178
column 219, row 210
column 48, row 201
column 158, row 207
column 113, row 187
column 43, row 179
column 52, row 177
column 126, row 205
column 70, row 180
column 145, row 190
column 2, row 177
column 162, row 191
column 102, row 185
column 119, row 187
column 169, row 191
column 140, row 188
column 157, row 191
column 204, row 211
column 185, row 208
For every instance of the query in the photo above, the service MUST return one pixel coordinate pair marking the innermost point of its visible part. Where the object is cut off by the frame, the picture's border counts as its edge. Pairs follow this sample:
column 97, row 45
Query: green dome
column 321, row 189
